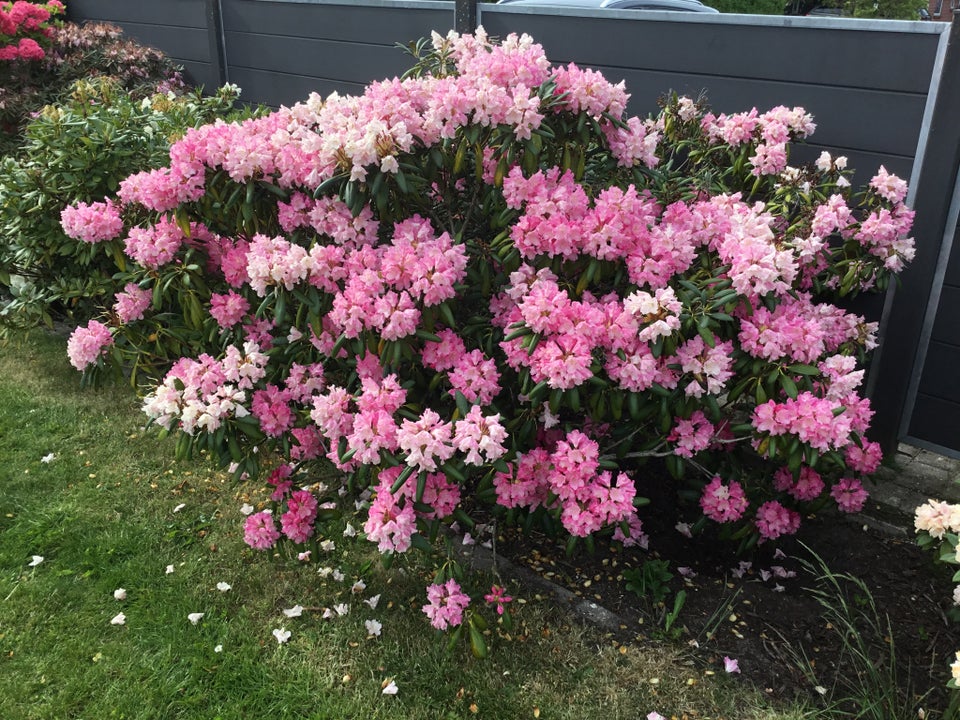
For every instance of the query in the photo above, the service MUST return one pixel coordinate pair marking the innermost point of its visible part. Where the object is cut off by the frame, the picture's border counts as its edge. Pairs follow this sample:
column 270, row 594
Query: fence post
column 465, row 16
column 218, row 58
column 898, row 360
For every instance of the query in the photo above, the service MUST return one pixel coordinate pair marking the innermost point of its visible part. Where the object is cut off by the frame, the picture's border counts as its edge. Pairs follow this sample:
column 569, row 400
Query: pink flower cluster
column 23, row 18
column 588, row 500
column 769, row 132
column 88, row 344
column 92, row 223
column 132, row 303
column 445, row 604
column 774, row 520
column 260, row 531
column 201, row 394
column 819, row 422
column 723, row 502
column 297, row 521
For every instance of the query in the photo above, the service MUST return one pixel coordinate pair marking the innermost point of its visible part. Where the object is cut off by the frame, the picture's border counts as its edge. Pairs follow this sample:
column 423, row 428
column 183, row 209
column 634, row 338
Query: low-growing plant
column 869, row 683
column 650, row 580
column 79, row 151
column 485, row 286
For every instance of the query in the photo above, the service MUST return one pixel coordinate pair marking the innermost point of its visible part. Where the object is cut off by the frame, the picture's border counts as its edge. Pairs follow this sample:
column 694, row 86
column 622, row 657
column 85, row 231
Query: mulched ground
column 767, row 618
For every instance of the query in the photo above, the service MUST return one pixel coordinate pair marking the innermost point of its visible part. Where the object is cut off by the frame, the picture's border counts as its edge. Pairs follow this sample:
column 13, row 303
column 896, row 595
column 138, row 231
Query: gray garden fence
column 882, row 92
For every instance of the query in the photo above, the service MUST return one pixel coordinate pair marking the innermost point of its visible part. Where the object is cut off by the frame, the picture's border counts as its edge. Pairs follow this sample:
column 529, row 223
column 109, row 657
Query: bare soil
column 767, row 618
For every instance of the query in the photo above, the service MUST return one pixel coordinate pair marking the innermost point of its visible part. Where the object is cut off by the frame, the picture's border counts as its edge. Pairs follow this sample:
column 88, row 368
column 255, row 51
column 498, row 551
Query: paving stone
column 938, row 461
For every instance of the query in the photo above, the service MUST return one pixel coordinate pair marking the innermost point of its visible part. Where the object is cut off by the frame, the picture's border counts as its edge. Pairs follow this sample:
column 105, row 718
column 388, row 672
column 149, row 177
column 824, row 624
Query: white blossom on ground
column 390, row 688
column 35, row 560
column 295, row 611
column 282, row 635
column 372, row 601
column 373, row 628
column 194, row 618
column 224, row 587
column 179, row 507
column 118, row 619
column 47, row 459
column 120, row 594
column 247, row 509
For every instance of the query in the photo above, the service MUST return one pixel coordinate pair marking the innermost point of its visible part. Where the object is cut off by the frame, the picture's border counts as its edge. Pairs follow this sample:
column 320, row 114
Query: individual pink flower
column 497, row 596
column 88, row 344
column 446, row 604
column 260, row 531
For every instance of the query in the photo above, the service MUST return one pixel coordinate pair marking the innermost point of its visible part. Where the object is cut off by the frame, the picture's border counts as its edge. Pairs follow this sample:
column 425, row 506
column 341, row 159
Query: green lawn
column 83, row 485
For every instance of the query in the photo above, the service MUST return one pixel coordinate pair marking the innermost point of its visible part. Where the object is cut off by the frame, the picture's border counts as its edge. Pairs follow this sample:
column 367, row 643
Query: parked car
column 662, row 5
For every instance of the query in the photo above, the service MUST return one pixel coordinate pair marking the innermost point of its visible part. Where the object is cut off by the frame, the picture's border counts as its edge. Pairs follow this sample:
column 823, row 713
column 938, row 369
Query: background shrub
column 79, row 151
column 78, row 52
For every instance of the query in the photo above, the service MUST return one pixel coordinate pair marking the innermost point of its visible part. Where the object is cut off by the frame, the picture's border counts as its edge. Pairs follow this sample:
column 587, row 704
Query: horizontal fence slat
column 900, row 61
column 201, row 74
column 321, row 57
column 182, row 13
column 277, row 89
column 361, row 24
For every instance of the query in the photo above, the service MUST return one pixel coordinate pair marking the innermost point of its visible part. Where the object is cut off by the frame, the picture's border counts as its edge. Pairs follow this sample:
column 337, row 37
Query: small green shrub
column 79, row 152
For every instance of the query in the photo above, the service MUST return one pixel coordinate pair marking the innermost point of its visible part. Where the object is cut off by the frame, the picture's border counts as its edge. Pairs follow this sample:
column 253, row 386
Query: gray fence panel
column 176, row 13
column 176, row 27
column 382, row 23
column 279, row 52
column 936, row 421
column 308, row 57
column 270, row 88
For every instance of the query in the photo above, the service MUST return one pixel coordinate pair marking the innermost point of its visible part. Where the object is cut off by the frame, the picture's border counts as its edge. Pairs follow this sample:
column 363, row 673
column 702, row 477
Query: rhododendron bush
column 25, row 27
column 485, row 285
